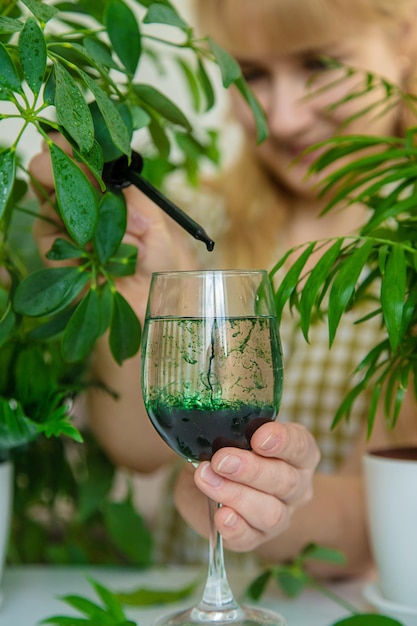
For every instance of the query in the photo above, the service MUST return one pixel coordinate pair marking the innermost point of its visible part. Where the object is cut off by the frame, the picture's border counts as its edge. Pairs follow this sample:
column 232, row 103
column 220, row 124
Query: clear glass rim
column 231, row 272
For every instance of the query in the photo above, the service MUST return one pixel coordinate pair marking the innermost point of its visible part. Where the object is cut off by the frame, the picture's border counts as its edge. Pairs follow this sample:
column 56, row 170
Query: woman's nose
column 289, row 110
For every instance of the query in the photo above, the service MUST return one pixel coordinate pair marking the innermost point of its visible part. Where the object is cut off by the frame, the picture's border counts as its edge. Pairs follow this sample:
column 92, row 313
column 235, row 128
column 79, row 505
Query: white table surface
column 31, row 593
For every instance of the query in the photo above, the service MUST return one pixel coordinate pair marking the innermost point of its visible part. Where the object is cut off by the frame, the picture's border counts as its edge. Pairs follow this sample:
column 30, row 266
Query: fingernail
column 269, row 443
column 229, row 464
column 231, row 520
column 210, row 477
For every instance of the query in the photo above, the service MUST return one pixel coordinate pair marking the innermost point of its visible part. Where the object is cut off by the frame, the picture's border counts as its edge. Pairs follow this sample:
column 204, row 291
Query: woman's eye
column 252, row 74
column 317, row 64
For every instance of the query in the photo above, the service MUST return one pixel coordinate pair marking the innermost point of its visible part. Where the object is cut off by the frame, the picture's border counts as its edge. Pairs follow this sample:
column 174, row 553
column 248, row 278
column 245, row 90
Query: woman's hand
column 161, row 244
column 259, row 489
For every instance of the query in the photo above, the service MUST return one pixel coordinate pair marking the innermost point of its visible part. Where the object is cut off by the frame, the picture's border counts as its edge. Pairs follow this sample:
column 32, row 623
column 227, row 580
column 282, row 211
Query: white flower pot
column 391, row 492
column 6, row 473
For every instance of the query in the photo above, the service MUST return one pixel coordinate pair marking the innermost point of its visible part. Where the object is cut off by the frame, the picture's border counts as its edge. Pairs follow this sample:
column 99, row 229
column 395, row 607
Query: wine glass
column 211, row 375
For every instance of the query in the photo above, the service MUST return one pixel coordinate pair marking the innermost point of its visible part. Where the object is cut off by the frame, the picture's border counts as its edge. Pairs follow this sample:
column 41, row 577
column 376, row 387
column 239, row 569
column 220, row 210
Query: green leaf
column 360, row 165
column 393, row 288
column 258, row 112
column 410, row 307
column 291, row 580
column 390, row 210
column 9, row 78
column 59, row 424
column 95, row 612
column 102, row 131
column 77, row 199
column 344, row 285
column 33, row 375
column 206, row 86
column 84, row 7
column 124, row 34
column 62, row 249
column 52, row 327
column 144, row 596
column 161, row 104
column 93, row 490
column 49, row 89
column 161, row 14
column 43, row 12
column 106, row 306
column 337, row 147
column 72, row 110
column 110, row 601
column 229, row 67
column 82, row 329
column 123, row 263
column 8, row 325
column 345, row 407
column 191, row 147
column 322, row 553
column 372, row 409
column 8, row 25
column 140, row 118
column 15, row 428
column 93, row 160
column 125, row 330
column 7, row 176
column 111, row 226
column 148, row 3
column 64, row 620
column 192, row 82
column 119, row 132
column 48, row 290
column 315, row 282
column 100, row 52
column 129, row 531
column 290, row 280
column 111, row 615
column 32, row 53
column 258, row 586
column 368, row 619
column 160, row 138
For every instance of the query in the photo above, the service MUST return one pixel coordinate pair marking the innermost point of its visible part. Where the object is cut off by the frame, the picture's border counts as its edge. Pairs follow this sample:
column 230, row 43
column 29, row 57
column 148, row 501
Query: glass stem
column 217, row 596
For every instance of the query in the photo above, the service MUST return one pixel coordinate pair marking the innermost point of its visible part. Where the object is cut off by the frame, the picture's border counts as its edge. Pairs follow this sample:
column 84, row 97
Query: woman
column 271, row 206
column 263, row 206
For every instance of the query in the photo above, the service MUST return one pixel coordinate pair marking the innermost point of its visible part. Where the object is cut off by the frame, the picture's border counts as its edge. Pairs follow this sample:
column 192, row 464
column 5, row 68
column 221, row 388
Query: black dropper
column 120, row 174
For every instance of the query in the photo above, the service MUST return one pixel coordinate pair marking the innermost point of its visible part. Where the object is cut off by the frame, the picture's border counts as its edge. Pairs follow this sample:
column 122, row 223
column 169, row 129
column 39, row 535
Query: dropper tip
column 199, row 233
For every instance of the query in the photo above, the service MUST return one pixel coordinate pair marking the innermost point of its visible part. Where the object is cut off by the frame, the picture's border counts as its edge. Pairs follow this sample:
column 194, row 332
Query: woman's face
column 298, row 117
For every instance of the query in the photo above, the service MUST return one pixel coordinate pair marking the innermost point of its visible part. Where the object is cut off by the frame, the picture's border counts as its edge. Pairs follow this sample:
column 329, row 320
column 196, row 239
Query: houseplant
column 80, row 61
column 75, row 67
column 376, row 266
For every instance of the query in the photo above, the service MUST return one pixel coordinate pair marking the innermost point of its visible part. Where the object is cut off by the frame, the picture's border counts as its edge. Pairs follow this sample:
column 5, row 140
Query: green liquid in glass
column 210, row 383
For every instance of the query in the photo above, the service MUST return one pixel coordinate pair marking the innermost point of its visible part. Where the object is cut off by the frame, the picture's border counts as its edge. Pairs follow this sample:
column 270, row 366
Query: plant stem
column 334, row 597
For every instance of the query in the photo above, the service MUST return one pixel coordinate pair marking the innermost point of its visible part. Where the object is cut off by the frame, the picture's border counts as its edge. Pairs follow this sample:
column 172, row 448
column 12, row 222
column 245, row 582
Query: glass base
column 240, row 616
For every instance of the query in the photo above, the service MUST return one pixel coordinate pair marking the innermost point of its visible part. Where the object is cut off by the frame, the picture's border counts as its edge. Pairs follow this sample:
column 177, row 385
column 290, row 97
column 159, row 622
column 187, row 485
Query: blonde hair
column 256, row 210
column 290, row 24
column 256, row 206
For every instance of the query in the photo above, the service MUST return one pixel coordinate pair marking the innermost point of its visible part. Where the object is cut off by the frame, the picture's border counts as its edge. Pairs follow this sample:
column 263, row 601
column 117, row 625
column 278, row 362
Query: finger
column 272, row 476
column 260, row 510
column 40, row 168
column 141, row 212
column 237, row 532
column 290, row 442
column 238, row 535
column 161, row 244
column 191, row 502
